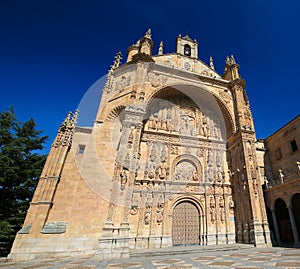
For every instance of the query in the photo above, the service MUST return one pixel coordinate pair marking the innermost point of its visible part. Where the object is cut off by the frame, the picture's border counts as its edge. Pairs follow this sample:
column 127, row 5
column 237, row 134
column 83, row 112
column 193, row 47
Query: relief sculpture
column 185, row 171
column 181, row 116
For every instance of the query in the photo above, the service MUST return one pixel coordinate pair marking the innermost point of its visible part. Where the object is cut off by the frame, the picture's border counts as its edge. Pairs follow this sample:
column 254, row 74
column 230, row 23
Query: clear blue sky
column 51, row 52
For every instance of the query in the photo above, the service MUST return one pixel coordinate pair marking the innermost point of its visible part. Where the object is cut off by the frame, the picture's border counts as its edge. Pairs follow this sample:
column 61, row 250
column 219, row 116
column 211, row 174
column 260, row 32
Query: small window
column 294, row 146
column 81, row 149
column 187, row 50
column 278, row 154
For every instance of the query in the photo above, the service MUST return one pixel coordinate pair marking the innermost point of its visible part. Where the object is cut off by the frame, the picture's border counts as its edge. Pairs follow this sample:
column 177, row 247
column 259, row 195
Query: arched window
column 187, row 50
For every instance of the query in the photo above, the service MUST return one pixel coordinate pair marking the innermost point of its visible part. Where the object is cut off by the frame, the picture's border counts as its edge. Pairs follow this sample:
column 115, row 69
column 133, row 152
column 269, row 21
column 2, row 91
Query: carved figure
column 147, row 216
column 159, row 213
column 124, row 178
column 185, row 171
column 212, row 204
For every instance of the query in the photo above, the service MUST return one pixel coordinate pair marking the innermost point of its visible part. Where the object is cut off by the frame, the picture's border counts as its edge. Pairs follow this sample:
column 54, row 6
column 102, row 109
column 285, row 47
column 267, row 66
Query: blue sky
column 52, row 52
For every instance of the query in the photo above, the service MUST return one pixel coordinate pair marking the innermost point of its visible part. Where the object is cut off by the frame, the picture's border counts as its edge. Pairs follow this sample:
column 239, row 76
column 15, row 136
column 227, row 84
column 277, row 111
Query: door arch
column 186, row 224
column 283, row 220
column 296, row 209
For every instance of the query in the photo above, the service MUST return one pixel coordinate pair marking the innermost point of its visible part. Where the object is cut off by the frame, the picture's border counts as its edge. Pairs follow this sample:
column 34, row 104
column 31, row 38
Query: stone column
column 294, row 225
column 277, row 234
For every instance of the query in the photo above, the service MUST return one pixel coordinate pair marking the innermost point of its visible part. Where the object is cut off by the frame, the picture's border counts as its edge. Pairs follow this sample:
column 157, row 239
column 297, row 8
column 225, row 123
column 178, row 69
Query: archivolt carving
column 115, row 113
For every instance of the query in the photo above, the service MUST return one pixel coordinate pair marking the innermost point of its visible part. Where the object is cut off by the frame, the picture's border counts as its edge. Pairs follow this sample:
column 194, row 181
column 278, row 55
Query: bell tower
column 187, row 46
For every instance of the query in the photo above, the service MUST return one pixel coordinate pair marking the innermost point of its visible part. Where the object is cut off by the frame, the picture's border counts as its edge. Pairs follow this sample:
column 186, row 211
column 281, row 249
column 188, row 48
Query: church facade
column 170, row 160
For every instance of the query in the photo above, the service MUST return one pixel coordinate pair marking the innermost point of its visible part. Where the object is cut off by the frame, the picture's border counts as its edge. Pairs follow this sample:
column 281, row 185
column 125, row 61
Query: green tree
column 20, row 167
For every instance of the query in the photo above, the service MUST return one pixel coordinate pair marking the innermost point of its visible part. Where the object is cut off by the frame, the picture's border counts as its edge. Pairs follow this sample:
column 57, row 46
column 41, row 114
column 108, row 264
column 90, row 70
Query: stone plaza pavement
column 250, row 257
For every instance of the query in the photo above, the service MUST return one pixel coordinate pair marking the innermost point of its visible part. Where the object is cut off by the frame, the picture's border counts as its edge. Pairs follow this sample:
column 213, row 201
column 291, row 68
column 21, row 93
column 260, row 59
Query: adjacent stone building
column 282, row 189
column 170, row 160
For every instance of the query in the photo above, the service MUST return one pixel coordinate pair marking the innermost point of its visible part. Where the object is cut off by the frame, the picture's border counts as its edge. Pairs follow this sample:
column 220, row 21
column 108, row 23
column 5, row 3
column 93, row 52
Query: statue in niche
column 159, row 213
column 147, row 216
column 163, row 155
column 205, row 129
column 222, row 210
column 124, row 178
column 153, row 153
column 163, row 171
column 169, row 125
column 212, row 214
column 150, row 171
column 220, row 176
column 212, row 204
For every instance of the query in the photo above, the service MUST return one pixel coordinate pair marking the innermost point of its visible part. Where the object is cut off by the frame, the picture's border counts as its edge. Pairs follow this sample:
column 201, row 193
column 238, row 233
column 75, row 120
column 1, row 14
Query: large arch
column 203, row 98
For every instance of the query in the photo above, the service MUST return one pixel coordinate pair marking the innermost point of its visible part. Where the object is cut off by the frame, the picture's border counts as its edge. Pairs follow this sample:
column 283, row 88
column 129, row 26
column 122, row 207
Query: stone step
column 187, row 250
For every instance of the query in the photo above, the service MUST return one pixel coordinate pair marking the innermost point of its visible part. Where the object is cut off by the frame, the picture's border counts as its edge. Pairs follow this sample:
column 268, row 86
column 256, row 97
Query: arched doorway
column 186, row 224
column 296, row 210
column 283, row 220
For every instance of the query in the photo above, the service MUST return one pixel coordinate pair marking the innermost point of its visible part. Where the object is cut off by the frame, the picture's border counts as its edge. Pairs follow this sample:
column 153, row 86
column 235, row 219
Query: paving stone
column 254, row 258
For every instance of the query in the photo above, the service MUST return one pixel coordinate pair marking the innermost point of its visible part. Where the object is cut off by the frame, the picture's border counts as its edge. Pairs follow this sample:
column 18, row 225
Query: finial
column 148, row 33
column 117, row 61
column 75, row 117
column 232, row 59
column 211, row 63
column 227, row 60
column 70, row 120
column 161, row 48
column 66, row 120
column 138, row 43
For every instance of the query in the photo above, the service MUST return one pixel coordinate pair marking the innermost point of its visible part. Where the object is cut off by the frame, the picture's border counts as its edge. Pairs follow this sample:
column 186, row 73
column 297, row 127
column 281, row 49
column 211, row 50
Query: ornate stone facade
column 282, row 183
column 170, row 160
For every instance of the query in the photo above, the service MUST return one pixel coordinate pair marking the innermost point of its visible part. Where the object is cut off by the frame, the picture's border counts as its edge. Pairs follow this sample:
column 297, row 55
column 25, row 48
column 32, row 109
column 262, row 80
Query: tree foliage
column 20, row 167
